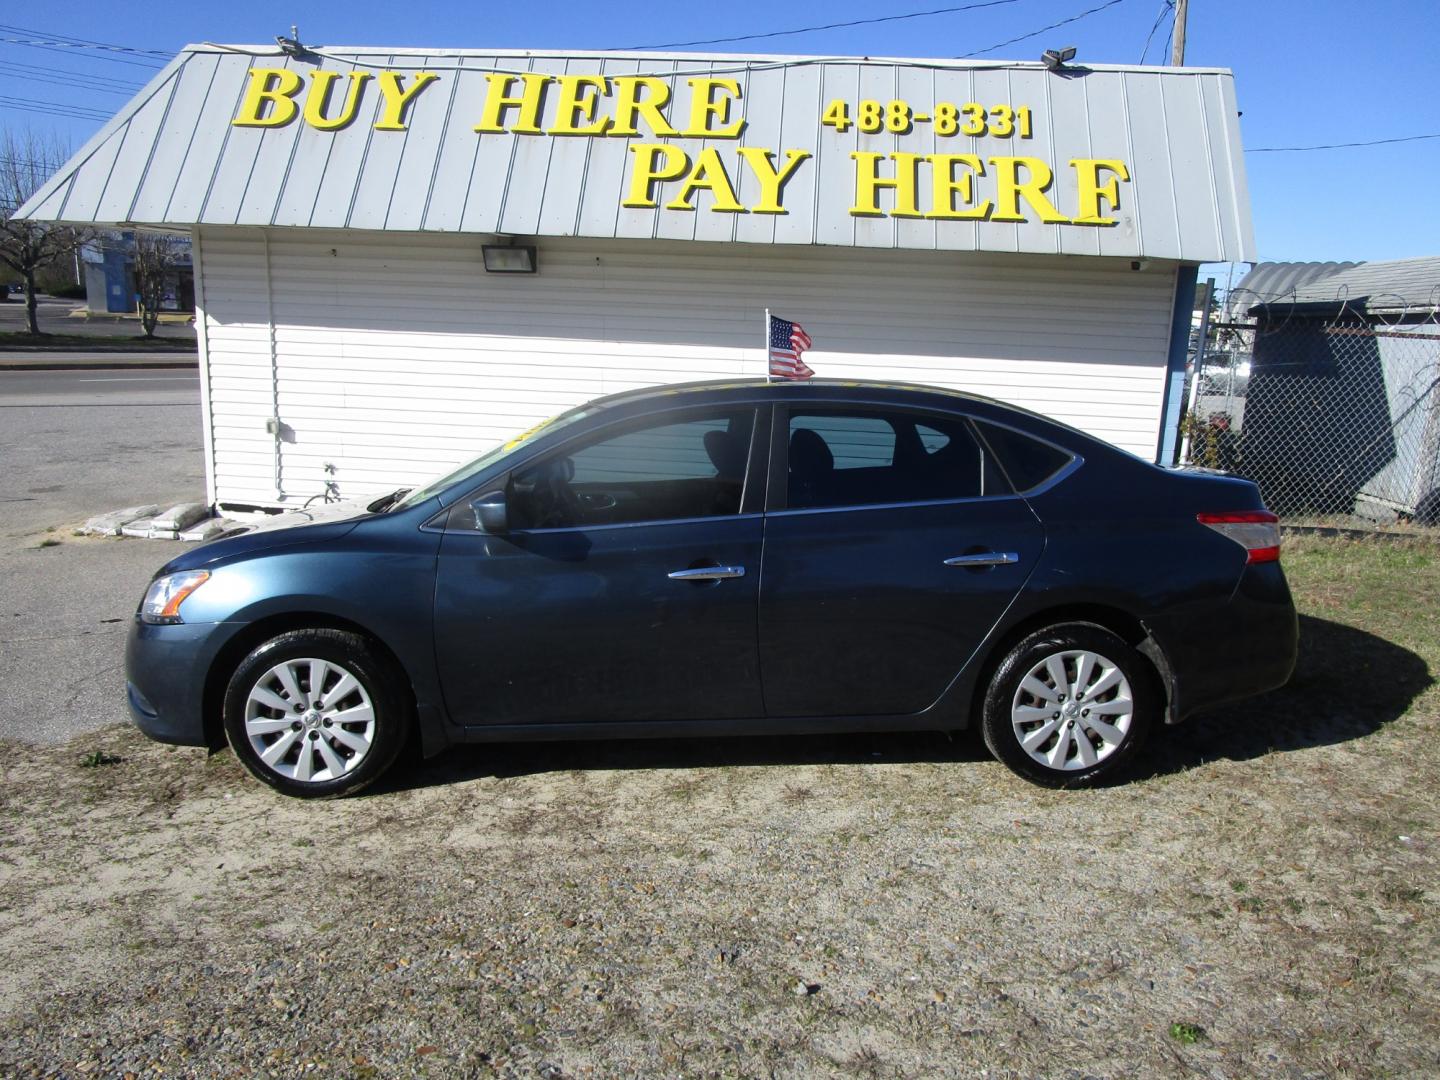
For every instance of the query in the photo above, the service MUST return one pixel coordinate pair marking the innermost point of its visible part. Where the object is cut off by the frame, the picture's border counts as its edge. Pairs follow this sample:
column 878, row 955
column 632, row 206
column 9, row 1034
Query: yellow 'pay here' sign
column 941, row 186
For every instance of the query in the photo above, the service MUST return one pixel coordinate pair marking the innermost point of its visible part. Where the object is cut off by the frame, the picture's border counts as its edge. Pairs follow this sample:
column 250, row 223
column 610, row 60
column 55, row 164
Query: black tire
column 363, row 748
column 1011, row 712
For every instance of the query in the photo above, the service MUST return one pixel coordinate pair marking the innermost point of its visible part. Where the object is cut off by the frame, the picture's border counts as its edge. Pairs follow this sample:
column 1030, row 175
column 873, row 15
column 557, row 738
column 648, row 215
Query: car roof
column 791, row 389
column 874, row 390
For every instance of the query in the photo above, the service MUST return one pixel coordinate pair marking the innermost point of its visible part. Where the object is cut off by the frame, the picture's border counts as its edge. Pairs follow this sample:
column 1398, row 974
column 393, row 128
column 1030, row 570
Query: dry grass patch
column 1260, row 900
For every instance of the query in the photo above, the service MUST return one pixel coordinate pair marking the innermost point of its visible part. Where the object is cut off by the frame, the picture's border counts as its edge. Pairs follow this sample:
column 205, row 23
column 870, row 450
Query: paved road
column 133, row 387
column 70, row 448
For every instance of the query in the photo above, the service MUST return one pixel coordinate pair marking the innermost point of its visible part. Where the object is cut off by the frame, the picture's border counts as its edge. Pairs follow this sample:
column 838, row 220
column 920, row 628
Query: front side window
column 660, row 469
column 861, row 457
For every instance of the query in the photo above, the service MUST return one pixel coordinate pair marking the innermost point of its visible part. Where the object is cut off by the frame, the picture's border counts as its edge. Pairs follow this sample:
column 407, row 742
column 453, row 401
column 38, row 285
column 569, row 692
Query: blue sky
column 1307, row 72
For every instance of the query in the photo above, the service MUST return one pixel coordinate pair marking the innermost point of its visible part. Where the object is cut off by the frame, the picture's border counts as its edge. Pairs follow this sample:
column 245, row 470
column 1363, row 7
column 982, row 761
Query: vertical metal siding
column 804, row 85
column 1109, row 126
column 1175, row 128
column 207, row 142
column 172, row 143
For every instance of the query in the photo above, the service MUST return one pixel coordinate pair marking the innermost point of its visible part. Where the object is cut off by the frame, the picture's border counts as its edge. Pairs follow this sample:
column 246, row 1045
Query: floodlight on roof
column 1054, row 60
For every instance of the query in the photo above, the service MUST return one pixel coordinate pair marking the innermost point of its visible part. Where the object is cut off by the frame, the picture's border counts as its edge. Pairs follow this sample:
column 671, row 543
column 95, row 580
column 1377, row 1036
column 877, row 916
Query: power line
column 1337, row 146
column 1042, row 30
column 91, row 42
column 31, row 162
column 58, row 108
column 124, row 84
column 48, row 112
column 1165, row 8
column 64, row 46
column 101, row 113
column 827, row 26
column 74, row 81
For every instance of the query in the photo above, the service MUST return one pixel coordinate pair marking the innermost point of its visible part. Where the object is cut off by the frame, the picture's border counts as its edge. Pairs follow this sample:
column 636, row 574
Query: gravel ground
column 1259, row 901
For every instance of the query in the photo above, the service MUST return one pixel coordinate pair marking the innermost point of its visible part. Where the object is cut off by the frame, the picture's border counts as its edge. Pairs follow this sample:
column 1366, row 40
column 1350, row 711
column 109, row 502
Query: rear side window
column 863, row 457
column 855, row 442
column 1028, row 462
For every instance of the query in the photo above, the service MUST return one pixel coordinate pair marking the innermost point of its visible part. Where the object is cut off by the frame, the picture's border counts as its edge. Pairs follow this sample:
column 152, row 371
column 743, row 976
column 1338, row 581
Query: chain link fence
column 1333, row 408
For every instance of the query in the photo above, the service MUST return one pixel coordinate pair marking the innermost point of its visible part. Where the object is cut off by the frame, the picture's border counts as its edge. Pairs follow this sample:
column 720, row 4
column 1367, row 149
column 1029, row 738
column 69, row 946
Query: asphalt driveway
column 74, row 446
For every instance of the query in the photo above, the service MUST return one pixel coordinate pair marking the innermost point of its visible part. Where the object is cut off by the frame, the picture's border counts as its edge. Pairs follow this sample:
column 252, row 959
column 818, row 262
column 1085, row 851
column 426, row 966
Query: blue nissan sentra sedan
column 735, row 558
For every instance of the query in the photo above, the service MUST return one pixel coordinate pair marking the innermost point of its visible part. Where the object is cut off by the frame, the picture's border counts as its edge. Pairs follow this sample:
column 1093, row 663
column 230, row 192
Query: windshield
column 494, row 454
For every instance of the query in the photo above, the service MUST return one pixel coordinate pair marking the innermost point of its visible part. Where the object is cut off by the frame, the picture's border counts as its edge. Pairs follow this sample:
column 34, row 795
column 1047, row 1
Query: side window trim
column 860, row 508
column 1076, row 460
column 752, row 495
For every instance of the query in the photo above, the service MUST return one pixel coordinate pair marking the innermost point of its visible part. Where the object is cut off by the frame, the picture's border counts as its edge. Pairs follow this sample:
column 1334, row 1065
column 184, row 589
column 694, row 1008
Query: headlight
column 166, row 594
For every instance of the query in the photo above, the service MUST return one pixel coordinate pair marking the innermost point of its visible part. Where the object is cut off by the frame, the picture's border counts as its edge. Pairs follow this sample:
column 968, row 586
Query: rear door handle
column 707, row 573
column 982, row 558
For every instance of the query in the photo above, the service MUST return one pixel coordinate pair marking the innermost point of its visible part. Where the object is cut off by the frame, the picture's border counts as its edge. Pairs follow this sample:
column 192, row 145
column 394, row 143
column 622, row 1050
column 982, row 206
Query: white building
column 1002, row 228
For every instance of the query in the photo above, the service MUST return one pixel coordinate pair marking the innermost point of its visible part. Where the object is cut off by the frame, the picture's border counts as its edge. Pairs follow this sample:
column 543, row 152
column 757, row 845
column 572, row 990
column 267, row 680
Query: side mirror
column 490, row 513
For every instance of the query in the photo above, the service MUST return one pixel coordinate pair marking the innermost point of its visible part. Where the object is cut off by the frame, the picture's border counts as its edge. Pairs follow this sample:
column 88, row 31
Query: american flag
column 787, row 341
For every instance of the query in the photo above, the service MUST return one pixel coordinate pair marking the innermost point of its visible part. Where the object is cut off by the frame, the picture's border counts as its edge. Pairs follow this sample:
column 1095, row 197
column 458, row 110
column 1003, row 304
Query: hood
column 325, row 513
column 309, row 526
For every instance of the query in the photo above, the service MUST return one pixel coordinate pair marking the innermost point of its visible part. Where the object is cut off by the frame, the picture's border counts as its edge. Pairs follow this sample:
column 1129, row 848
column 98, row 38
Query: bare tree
column 26, row 162
column 156, row 255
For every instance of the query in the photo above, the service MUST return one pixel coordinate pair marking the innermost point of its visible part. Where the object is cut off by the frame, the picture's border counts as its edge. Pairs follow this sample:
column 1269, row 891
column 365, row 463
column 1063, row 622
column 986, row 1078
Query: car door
column 893, row 545
column 627, row 583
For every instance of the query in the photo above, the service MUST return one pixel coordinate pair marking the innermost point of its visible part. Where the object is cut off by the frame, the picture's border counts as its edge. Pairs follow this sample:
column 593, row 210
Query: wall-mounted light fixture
column 509, row 258
column 1054, row 59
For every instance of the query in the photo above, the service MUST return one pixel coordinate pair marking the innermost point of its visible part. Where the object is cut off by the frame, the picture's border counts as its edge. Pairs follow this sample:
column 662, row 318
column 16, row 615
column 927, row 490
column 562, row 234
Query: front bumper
column 165, row 672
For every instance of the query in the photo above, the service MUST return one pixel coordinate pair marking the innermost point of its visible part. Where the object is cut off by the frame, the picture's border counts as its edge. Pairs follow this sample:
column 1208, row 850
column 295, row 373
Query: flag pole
column 768, row 376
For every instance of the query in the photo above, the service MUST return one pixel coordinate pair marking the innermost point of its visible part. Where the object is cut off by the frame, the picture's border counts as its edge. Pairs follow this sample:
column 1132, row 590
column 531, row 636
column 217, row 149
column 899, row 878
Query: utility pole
column 1177, row 53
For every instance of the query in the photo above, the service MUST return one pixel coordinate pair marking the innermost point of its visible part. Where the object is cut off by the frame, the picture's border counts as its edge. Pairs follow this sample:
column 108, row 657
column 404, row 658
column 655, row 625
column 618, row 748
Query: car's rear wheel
column 316, row 713
column 1069, row 706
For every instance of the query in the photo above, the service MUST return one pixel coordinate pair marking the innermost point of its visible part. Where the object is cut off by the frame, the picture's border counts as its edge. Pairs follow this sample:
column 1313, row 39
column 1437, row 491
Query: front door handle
column 984, row 558
column 707, row 573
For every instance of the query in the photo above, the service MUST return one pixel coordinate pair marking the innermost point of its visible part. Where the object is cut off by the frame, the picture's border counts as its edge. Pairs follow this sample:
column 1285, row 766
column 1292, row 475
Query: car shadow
column 503, row 760
column 1347, row 684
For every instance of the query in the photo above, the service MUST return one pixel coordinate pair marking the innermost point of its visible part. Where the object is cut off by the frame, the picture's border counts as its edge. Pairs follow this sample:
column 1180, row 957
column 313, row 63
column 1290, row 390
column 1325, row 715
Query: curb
column 103, row 345
column 98, row 363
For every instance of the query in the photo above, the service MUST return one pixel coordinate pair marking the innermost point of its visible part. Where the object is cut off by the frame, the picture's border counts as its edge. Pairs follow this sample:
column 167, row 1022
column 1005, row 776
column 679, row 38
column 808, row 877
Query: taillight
column 1257, row 531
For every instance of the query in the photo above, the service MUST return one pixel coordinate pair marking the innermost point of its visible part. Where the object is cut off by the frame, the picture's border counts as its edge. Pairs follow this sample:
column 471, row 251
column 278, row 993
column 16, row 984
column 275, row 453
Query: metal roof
column 180, row 153
column 1395, row 285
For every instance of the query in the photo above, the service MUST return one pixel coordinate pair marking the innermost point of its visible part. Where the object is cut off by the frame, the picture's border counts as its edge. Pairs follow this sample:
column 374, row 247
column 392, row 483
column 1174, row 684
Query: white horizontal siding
column 399, row 357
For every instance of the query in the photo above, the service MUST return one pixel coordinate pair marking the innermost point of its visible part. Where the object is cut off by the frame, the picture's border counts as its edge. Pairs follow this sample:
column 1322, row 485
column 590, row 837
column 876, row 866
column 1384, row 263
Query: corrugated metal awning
column 947, row 155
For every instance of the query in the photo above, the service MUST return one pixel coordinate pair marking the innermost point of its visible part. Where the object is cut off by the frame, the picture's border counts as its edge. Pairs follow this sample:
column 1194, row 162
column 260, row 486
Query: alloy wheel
column 1072, row 710
column 309, row 720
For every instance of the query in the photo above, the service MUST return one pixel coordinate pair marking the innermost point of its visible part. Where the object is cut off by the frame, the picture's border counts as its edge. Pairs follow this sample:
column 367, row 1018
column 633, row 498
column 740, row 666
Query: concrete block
column 181, row 516
column 112, row 523
column 147, row 529
column 211, row 529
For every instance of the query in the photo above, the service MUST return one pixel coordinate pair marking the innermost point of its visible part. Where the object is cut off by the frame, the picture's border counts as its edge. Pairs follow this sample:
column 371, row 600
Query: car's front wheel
column 316, row 713
column 1069, row 705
